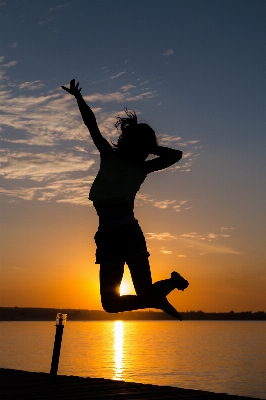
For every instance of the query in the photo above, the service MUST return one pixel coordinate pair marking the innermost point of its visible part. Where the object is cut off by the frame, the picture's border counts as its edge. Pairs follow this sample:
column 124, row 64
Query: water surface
column 218, row 356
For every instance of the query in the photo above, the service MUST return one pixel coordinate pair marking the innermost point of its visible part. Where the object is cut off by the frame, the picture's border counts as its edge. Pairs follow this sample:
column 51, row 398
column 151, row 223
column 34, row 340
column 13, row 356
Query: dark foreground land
column 49, row 314
column 23, row 385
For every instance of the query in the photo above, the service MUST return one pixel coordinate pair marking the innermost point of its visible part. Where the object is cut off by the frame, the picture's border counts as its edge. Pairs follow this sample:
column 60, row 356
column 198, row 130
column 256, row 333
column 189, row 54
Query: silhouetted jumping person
column 119, row 238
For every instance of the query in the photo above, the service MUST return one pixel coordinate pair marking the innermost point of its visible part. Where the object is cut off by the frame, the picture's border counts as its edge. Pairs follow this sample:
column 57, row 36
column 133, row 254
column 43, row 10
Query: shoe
column 180, row 282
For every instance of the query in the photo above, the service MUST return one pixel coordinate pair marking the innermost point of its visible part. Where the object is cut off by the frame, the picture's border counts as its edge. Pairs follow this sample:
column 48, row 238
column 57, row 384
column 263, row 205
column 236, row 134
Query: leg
column 151, row 296
column 140, row 272
column 141, row 276
column 110, row 280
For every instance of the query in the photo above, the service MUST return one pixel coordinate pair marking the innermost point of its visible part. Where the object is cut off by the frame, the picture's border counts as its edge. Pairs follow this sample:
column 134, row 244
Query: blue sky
column 195, row 71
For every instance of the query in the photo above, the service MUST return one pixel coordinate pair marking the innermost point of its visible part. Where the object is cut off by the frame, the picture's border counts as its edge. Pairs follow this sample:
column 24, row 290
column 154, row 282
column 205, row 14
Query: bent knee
column 110, row 309
column 110, row 305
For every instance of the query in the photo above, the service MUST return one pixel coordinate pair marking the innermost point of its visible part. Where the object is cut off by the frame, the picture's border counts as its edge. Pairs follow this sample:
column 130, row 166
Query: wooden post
column 60, row 322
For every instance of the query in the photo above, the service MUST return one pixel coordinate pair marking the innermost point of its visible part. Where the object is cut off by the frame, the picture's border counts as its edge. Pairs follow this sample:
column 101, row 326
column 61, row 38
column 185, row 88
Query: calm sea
column 219, row 356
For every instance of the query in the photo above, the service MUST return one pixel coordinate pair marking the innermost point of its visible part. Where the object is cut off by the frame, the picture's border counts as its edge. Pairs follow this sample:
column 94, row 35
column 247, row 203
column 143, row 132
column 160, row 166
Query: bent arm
column 166, row 158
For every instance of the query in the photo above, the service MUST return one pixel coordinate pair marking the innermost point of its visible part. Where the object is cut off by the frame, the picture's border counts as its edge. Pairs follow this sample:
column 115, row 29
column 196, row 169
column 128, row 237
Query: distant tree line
column 49, row 314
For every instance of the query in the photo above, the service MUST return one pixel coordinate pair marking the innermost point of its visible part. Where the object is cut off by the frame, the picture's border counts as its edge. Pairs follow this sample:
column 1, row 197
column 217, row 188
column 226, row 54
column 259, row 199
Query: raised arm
column 166, row 158
column 89, row 119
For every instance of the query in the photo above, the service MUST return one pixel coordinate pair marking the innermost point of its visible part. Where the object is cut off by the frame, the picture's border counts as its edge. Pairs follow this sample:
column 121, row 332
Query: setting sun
column 124, row 288
column 127, row 286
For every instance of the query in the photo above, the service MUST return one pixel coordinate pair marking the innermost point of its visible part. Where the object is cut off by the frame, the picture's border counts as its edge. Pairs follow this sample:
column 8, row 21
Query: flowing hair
column 130, row 121
column 134, row 132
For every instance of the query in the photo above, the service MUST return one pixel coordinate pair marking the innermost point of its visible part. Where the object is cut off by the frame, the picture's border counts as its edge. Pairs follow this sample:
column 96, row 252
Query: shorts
column 119, row 245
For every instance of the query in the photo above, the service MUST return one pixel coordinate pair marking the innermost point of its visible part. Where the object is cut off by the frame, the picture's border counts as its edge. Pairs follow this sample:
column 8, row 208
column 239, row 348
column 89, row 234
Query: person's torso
column 115, row 187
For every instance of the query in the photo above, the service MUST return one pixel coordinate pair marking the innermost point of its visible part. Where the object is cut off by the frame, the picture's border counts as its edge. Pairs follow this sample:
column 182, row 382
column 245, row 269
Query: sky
column 193, row 70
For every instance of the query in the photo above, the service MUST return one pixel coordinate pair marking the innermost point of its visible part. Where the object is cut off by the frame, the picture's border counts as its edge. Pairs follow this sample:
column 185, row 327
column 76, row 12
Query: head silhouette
column 136, row 140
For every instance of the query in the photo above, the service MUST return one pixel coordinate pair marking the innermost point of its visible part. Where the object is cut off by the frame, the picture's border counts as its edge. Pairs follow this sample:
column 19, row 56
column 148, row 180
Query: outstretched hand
column 74, row 88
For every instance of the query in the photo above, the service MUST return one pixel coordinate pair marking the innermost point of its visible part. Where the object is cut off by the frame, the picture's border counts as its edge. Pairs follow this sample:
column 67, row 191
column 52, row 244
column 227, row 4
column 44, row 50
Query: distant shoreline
column 49, row 314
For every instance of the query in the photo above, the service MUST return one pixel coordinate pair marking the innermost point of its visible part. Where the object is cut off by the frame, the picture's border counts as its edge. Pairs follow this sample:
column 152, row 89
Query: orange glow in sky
column 200, row 84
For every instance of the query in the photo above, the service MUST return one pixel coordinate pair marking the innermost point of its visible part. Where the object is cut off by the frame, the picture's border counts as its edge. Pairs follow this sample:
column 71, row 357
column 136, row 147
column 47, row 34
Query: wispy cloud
column 59, row 172
column 59, row 7
column 176, row 205
column 119, row 97
column 164, row 203
column 47, row 20
column 143, row 83
column 117, row 75
column 218, row 249
column 164, row 251
column 207, row 243
column 160, row 236
column 167, row 139
column 193, row 235
column 79, row 148
column 142, row 96
column 31, row 85
column 203, row 243
column 177, row 208
column 9, row 64
column 74, row 191
column 40, row 166
column 168, row 53
column 125, row 88
column 192, row 151
column 41, row 119
column 209, row 236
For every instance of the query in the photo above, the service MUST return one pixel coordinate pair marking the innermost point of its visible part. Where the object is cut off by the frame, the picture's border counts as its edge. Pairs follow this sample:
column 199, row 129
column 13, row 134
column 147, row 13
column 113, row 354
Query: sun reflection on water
column 118, row 350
